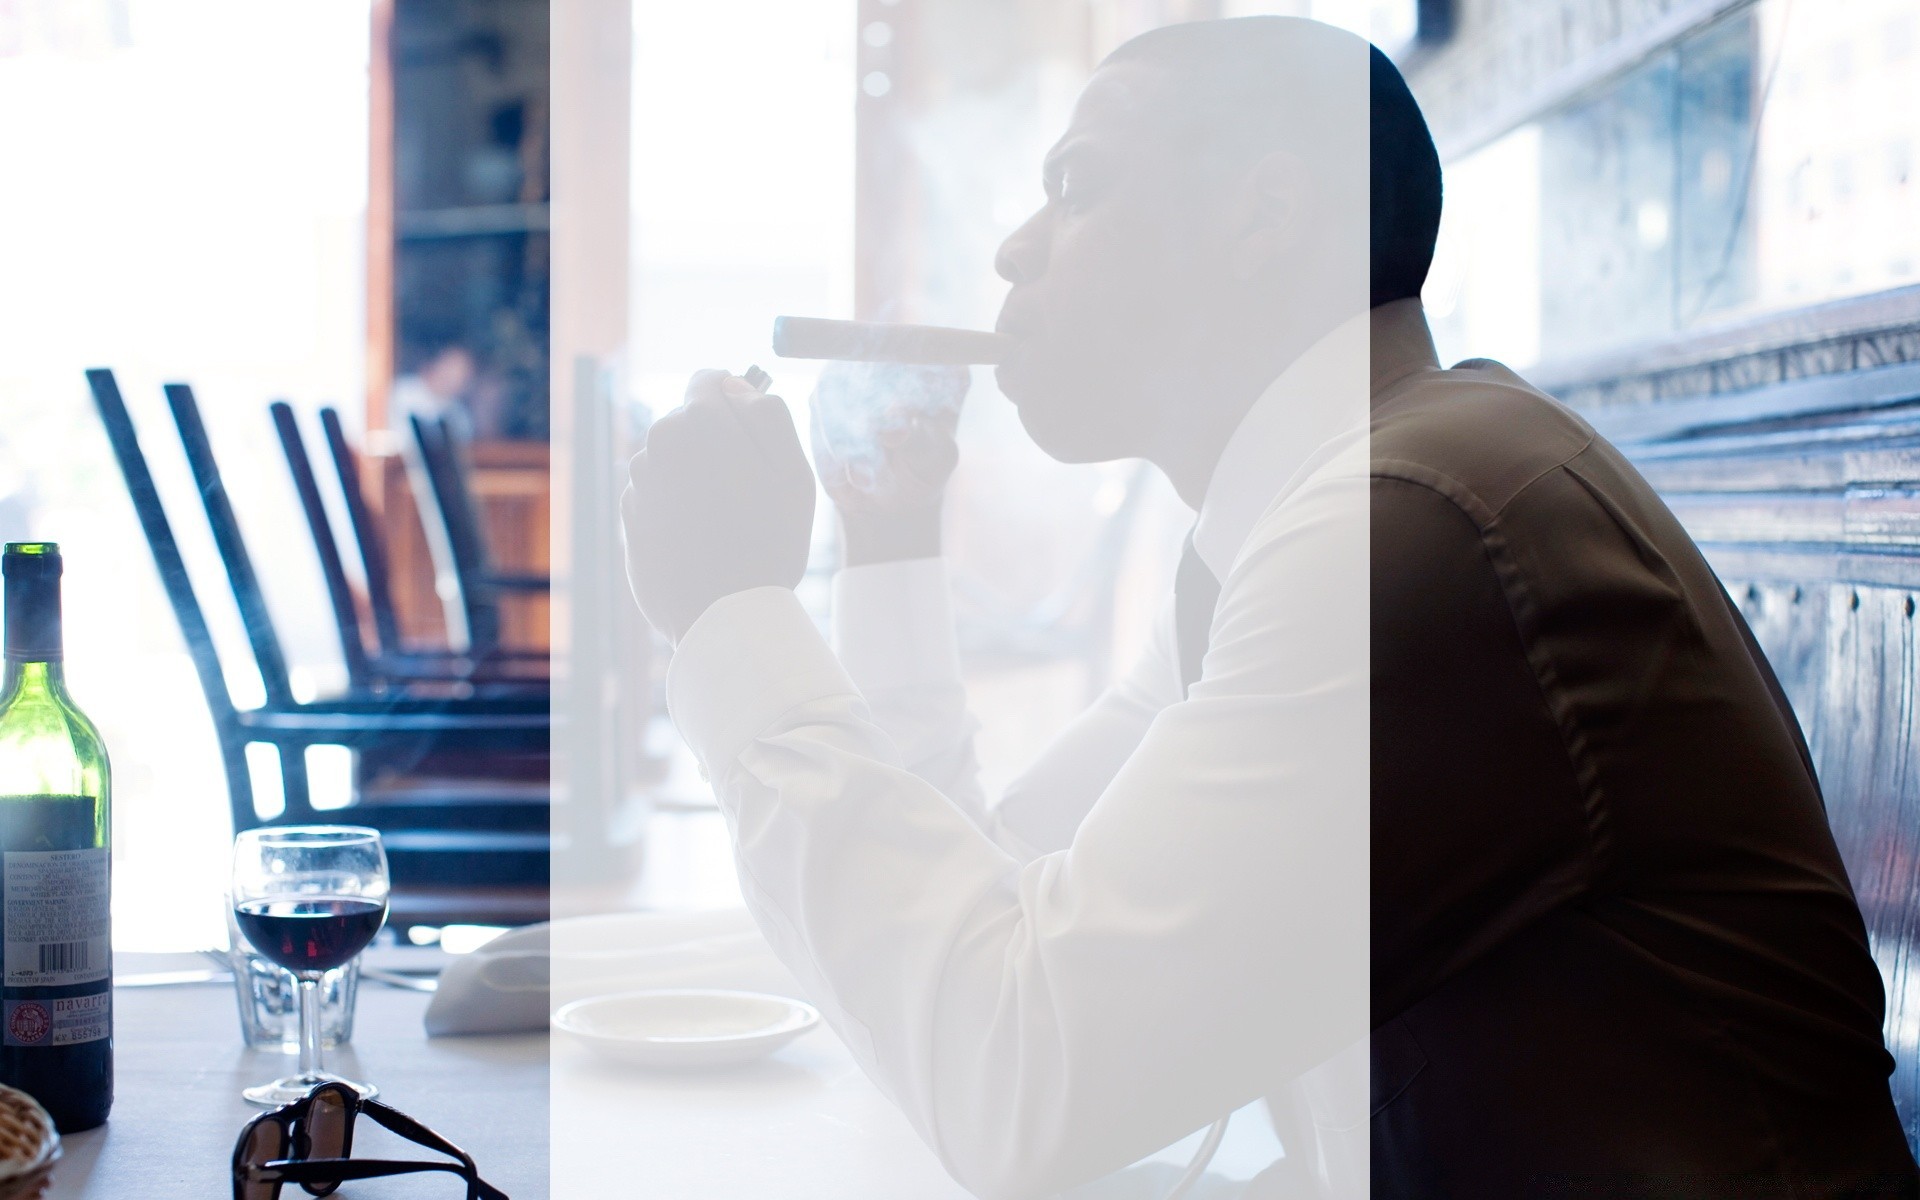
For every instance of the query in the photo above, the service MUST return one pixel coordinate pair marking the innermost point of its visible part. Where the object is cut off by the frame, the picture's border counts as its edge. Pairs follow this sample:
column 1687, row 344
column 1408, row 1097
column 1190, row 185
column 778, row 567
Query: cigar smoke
column 869, row 415
column 884, row 379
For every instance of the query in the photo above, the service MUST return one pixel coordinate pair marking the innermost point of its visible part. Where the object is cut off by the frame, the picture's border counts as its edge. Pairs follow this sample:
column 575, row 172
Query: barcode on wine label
column 65, row 956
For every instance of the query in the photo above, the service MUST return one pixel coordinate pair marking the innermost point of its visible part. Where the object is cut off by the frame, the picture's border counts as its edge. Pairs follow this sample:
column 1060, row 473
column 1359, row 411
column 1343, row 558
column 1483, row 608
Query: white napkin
column 513, row 983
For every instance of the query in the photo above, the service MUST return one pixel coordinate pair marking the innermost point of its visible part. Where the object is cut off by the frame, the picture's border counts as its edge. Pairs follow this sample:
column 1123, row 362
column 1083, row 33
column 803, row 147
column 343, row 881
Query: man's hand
column 883, row 442
column 719, row 501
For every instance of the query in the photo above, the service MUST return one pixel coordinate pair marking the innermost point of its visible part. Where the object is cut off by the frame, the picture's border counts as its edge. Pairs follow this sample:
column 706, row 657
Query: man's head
column 1206, row 219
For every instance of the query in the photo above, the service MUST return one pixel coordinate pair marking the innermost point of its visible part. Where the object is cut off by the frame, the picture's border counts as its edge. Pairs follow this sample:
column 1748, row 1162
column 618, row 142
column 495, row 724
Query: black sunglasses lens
column 326, row 1124
column 266, row 1142
column 329, row 1116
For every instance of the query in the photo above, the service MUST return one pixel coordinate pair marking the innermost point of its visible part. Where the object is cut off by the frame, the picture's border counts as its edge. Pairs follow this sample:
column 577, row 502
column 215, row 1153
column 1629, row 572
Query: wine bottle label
column 56, row 919
column 63, row 1022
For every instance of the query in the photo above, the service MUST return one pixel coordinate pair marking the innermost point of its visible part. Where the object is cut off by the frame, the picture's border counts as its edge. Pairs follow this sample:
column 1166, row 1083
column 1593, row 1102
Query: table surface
column 804, row 1124
column 179, row 1065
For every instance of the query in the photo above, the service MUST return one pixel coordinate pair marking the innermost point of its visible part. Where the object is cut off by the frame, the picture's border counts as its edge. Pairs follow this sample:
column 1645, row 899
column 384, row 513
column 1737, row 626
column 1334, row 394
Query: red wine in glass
column 310, row 933
column 310, row 898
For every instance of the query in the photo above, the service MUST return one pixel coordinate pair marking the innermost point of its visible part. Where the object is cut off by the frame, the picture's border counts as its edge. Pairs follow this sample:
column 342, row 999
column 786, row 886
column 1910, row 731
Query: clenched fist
column 719, row 501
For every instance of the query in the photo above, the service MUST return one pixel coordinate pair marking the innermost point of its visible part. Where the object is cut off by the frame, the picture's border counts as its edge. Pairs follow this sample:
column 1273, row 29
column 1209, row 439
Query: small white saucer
column 686, row 1027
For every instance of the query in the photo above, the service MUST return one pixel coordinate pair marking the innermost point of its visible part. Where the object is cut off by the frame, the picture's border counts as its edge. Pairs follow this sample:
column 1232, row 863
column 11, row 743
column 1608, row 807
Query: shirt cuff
column 749, row 659
column 893, row 625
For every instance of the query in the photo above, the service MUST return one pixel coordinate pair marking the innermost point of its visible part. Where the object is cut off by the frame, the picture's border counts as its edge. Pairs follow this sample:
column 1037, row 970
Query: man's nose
column 1023, row 256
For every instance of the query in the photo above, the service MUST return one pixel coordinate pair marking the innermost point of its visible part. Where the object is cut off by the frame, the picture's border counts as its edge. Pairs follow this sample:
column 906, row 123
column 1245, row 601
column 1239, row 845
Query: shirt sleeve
column 894, row 632
column 1204, row 934
column 893, row 629
column 1044, row 806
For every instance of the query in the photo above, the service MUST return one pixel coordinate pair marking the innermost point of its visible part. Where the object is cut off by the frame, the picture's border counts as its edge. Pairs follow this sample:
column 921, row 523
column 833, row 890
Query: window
column 1759, row 164
column 186, row 201
column 1396, row 26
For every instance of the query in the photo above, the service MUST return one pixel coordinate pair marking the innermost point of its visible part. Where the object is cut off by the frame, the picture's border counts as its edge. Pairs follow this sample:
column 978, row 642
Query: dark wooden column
column 380, row 222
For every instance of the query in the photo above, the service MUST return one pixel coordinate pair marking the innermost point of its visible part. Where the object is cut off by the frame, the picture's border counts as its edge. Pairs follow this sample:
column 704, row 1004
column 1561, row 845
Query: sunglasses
column 309, row 1143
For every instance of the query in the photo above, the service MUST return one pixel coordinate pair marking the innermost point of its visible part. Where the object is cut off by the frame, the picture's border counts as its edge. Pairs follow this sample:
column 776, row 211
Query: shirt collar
column 1298, row 414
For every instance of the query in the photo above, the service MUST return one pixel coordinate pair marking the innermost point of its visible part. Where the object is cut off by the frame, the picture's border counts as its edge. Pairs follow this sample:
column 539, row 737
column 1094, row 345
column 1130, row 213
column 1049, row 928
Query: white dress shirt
column 1162, row 920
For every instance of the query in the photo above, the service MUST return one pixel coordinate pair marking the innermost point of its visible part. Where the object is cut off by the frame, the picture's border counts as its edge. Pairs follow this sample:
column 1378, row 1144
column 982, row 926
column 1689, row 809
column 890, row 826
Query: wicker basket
column 28, row 1146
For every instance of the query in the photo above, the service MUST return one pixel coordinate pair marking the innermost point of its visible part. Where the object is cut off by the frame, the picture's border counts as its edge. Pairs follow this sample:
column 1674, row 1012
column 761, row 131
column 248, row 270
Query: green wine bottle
column 56, row 957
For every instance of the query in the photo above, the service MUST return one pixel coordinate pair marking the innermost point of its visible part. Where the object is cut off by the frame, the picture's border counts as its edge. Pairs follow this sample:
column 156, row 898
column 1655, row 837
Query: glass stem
column 309, row 1024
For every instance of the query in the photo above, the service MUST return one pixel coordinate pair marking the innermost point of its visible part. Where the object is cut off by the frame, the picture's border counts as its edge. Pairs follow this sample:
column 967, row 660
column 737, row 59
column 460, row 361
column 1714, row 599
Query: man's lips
column 1007, row 375
column 1011, row 321
column 1019, row 331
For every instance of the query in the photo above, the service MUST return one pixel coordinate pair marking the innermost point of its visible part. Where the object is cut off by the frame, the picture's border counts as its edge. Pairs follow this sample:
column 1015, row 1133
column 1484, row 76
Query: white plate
column 685, row 1027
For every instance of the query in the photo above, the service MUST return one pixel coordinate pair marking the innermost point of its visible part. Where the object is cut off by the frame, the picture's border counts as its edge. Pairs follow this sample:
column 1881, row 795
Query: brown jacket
column 1615, row 951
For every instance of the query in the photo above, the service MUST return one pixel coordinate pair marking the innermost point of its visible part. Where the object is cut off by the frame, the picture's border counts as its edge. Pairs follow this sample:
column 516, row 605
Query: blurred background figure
column 439, row 387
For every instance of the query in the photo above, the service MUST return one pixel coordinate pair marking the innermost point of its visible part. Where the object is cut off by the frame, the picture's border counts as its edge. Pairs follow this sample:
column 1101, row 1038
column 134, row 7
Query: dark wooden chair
column 453, row 859
column 368, row 540
column 456, row 537
column 377, row 663
column 361, row 676
column 396, row 767
column 374, row 670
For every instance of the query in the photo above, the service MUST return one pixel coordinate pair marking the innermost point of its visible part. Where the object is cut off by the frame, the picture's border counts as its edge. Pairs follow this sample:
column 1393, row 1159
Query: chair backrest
column 454, row 534
column 241, row 577
column 346, row 611
column 179, row 588
column 375, row 566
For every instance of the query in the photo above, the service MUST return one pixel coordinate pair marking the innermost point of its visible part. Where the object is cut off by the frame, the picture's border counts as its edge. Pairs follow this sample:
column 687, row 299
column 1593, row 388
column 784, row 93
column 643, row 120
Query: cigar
column 867, row 341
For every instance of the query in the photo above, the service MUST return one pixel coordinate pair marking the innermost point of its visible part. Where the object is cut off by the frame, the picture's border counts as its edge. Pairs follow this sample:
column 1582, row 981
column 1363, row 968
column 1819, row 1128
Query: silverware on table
column 171, row 978
column 401, row 979
column 406, row 981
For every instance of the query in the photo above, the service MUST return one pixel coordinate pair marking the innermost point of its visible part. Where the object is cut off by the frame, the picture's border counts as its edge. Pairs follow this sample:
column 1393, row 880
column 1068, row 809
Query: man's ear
column 1272, row 210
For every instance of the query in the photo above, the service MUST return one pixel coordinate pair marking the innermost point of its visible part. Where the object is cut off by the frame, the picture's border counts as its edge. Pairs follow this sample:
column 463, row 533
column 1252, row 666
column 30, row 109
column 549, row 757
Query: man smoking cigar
column 1453, row 807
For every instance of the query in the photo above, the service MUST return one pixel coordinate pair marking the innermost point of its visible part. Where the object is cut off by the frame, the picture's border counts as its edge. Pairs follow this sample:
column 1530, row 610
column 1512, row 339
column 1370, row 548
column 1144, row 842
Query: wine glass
column 309, row 897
